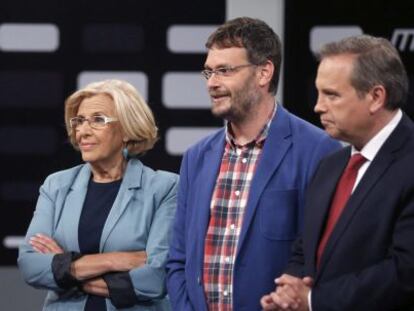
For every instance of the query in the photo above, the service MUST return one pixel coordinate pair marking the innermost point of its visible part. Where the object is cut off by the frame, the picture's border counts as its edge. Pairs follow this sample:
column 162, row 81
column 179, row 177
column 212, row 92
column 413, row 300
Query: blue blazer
column 368, row 262
column 273, row 215
column 139, row 220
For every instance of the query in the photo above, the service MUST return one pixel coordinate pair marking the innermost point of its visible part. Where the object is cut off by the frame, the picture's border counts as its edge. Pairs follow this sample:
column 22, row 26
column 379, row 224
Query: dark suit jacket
column 368, row 263
column 272, row 219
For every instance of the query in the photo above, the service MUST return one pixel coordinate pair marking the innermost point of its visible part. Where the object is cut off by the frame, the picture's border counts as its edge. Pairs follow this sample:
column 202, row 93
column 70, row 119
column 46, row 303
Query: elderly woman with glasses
column 98, row 239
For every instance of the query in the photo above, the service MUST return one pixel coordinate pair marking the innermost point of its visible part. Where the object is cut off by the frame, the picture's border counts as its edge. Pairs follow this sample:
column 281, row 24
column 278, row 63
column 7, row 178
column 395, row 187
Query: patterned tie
column 342, row 194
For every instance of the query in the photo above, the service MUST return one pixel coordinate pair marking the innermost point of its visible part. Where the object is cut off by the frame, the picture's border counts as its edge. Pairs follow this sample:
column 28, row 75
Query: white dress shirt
column 370, row 150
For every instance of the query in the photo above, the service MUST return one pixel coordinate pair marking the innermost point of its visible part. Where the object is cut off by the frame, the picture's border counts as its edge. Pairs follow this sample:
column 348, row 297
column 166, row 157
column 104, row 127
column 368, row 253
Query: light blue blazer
column 139, row 220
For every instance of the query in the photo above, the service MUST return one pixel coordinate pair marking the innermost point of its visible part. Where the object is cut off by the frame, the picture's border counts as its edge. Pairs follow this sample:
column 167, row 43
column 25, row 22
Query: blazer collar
column 132, row 176
column 73, row 202
column 132, row 180
column 317, row 206
column 277, row 144
column 209, row 167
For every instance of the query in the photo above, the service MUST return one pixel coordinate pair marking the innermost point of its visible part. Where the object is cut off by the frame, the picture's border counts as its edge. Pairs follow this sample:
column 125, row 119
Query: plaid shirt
column 227, row 210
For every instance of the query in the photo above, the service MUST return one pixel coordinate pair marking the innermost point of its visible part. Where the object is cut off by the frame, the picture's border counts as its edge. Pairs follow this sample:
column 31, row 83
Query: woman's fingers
column 44, row 244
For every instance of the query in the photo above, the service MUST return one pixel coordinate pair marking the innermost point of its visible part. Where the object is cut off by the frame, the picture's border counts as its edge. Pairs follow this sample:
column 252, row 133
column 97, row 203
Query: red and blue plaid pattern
column 227, row 210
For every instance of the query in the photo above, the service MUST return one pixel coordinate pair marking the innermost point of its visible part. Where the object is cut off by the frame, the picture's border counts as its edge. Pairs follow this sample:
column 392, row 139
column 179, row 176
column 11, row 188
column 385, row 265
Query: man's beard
column 241, row 103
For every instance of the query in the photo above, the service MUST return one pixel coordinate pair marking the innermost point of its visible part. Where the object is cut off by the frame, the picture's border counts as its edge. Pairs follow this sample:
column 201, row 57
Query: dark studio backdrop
column 126, row 36
column 310, row 22
column 132, row 36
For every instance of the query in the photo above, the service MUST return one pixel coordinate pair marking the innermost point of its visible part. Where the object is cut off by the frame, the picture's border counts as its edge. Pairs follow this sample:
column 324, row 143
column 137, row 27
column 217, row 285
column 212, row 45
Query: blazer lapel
column 131, row 181
column 206, row 182
column 275, row 148
column 321, row 202
column 72, row 208
column 385, row 157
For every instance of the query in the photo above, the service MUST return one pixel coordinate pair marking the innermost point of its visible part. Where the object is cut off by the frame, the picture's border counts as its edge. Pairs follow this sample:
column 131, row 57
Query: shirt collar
column 260, row 138
column 370, row 150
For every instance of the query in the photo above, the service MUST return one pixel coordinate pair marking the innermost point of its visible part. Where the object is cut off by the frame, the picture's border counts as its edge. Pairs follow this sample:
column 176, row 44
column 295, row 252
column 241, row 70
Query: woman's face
column 99, row 146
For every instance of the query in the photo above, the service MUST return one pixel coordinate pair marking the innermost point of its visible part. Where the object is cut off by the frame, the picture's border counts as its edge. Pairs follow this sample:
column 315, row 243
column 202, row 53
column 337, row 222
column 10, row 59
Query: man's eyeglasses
column 223, row 71
column 96, row 122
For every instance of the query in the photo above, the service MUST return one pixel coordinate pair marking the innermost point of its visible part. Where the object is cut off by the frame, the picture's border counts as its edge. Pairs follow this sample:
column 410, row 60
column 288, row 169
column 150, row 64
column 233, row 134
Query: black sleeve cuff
column 121, row 290
column 61, row 269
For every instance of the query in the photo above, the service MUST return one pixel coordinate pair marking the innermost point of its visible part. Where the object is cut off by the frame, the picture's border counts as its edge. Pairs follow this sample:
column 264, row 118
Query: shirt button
column 225, row 293
column 232, row 226
column 227, row 259
column 237, row 193
column 238, row 151
column 244, row 160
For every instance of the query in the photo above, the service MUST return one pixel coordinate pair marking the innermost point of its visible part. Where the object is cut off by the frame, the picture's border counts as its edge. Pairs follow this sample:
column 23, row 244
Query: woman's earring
column 125, row 152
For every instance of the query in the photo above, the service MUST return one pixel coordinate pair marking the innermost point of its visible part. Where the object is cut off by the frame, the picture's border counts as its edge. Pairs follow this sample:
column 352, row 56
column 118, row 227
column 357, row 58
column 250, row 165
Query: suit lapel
column 324, row 188
column 382, row 161
column 275, row 148
column 210, row 166
column 72, row 208
column 131, row 181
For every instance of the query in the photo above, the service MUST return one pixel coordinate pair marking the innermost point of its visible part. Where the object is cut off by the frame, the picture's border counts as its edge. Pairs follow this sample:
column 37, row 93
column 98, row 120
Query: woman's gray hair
column 135, row 116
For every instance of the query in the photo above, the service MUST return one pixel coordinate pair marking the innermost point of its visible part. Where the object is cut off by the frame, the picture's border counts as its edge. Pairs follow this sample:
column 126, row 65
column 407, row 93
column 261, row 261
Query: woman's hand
column 125, row 261
column 96, row 287
column 95, row 265
column 45, row 245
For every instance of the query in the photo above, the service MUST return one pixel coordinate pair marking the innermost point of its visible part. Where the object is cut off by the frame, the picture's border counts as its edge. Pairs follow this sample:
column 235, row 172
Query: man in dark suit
column 241, row 190
column 357, row 247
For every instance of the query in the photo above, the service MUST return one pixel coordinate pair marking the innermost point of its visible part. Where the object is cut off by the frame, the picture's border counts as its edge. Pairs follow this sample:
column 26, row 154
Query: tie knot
column 356, row 161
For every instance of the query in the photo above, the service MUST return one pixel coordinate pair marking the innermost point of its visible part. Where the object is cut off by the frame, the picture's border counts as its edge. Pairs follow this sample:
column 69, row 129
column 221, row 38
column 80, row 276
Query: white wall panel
column 188, row 38
column 178, row 139
column 185, row 90
column 138, row 79
column 16, row 37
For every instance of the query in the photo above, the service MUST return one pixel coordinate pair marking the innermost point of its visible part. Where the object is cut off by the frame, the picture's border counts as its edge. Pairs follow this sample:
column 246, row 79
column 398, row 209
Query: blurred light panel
column 178, row 139
column 29, row 37
column 189, row 38
column 185, row 90
column 320, row 35
column 138, row 79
